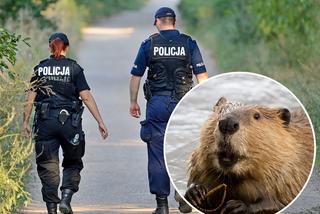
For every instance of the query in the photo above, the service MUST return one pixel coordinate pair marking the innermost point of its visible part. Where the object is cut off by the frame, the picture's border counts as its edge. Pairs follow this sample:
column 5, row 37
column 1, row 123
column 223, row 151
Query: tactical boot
column 162, row 206
column 52, row 208
column 65, row 206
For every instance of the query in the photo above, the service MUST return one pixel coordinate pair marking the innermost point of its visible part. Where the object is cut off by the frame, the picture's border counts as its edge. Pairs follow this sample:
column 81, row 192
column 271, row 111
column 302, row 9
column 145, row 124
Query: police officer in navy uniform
column 171, row 57
column 58, row 90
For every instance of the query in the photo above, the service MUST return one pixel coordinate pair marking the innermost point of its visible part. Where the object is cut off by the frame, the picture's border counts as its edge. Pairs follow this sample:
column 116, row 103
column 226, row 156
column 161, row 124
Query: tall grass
column 15, row 150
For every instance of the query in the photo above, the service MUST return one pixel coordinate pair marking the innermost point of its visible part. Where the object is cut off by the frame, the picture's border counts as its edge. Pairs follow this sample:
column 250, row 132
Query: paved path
column 114, row 179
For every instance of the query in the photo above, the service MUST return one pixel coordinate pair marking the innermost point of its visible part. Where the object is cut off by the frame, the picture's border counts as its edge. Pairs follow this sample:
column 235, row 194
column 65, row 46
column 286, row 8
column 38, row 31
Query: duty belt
column 61, row 114
column 162, row 93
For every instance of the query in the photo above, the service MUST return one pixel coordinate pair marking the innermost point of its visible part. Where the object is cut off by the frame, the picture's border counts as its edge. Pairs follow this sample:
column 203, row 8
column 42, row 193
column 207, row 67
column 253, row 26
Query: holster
column 44, row 110
column 76, row 117
column 147, row 90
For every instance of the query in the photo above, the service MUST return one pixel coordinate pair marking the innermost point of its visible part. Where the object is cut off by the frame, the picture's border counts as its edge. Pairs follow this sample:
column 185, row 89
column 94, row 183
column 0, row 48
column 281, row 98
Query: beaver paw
column 196, row 194
column 236, row 207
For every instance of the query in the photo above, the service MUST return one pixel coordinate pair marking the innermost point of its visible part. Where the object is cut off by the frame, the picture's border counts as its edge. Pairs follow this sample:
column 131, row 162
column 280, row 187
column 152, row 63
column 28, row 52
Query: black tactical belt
column 162, row 93
column 61, row 114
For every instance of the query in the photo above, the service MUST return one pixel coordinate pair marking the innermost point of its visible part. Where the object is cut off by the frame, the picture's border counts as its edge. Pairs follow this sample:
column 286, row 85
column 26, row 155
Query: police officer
column 171, row 57
column 57, row 86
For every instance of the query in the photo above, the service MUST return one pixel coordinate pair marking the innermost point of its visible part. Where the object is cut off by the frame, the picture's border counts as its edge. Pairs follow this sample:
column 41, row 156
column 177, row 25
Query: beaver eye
column 256, row 116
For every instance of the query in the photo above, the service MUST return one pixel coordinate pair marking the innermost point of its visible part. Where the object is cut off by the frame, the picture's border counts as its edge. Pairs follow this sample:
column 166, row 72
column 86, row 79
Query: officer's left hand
column 103, row 130
column 135, row 110
column 26, row 130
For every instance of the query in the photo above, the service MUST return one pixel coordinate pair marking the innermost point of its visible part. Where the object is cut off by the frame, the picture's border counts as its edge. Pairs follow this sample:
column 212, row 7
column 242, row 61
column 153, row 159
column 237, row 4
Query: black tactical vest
column 56, row 81
column 170, row 66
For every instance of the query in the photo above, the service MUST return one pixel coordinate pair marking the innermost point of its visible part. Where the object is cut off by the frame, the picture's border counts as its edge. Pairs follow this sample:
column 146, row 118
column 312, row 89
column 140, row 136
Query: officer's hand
column 26, row 130
column 103, row 130
column 135, row 110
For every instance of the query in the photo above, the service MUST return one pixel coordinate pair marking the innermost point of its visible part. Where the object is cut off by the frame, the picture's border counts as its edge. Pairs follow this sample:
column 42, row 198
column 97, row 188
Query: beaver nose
column 228, row 125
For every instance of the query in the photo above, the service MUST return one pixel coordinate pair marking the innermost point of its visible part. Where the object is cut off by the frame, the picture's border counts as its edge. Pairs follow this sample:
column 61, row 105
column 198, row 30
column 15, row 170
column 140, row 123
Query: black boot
column 52, row 208
column 162, row 206
column 65, row 206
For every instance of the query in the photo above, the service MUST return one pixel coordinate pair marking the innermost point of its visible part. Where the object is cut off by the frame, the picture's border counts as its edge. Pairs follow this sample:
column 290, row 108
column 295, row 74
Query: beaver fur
column 264, row 155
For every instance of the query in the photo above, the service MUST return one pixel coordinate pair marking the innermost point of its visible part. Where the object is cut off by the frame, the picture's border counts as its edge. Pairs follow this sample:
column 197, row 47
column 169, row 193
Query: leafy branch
column 8, row 50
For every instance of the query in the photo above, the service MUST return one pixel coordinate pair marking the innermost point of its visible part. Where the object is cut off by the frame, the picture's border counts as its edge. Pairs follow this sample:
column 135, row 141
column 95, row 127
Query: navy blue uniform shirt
column 142, row 59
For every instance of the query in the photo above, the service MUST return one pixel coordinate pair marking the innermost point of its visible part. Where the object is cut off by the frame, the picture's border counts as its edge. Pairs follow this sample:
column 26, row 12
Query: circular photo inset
column 239, row 143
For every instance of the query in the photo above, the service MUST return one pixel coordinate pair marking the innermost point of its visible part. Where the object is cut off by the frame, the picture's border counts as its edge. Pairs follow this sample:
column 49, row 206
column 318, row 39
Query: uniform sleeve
column 80, row 80
column 196, row 58
column 140, row 63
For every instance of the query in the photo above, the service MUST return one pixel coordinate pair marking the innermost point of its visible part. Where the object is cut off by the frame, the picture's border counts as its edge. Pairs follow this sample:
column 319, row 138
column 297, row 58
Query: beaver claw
column 236, row 207
column 196, row 194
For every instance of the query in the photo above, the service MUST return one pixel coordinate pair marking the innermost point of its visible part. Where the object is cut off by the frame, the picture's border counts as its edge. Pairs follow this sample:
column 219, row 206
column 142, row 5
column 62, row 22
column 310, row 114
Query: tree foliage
column 10, row 9
column 8, row 50
column 290, row 28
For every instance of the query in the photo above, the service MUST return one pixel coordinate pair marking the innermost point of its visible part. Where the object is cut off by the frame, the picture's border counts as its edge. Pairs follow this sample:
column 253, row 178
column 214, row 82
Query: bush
column 15, row 151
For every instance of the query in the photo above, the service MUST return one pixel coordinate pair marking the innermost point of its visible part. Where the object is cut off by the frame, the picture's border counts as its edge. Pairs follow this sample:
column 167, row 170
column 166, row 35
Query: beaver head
column 246, row 136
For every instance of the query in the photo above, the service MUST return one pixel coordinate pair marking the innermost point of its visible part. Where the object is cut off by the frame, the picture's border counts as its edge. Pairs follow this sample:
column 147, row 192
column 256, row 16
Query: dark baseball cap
column 61, row 36
column 164, row 12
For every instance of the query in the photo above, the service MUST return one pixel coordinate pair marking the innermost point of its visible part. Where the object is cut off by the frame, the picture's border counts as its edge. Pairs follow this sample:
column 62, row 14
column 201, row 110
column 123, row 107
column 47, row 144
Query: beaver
column 263, row 155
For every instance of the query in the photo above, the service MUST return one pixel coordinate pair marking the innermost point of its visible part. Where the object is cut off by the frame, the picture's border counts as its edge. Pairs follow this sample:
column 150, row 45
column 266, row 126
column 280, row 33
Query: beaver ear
column 285, row 115
column 221, row 102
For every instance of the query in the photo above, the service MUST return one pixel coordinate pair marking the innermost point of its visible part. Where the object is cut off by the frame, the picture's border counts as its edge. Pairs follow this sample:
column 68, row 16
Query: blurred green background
column 280, row 39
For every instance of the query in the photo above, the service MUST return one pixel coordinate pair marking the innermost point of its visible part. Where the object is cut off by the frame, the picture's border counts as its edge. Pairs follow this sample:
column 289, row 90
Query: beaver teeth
column 227, row 159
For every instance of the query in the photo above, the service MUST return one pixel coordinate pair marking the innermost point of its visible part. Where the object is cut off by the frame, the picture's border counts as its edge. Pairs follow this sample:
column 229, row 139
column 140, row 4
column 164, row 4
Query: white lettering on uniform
column 169, row 51
column 200, row 64
column 55, row 71
column 45, row 71
column 182, row 52
column 161, row 50
column 155, row 50
column 173, row 51
column 67, row 71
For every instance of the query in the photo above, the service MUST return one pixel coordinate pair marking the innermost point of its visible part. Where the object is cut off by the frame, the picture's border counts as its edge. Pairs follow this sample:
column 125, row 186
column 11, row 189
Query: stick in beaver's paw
column 196, row 194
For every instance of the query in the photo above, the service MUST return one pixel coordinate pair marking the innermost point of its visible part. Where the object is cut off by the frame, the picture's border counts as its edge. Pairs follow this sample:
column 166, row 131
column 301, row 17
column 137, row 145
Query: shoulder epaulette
column 185, row 35
column 153, row 35
column 44, row 60
column 72, row 60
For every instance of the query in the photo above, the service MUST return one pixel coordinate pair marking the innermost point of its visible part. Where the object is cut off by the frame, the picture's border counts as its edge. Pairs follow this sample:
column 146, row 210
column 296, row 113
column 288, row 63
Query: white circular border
column 253, row 74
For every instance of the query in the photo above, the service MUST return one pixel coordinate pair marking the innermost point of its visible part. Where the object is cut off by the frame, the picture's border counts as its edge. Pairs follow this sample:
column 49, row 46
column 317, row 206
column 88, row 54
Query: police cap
column 61, row 36
column 164, row 12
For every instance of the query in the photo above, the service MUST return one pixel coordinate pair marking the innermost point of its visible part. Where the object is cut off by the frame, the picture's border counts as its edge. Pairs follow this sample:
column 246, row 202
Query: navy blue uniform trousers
column 159, row 109
column 50, row 136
